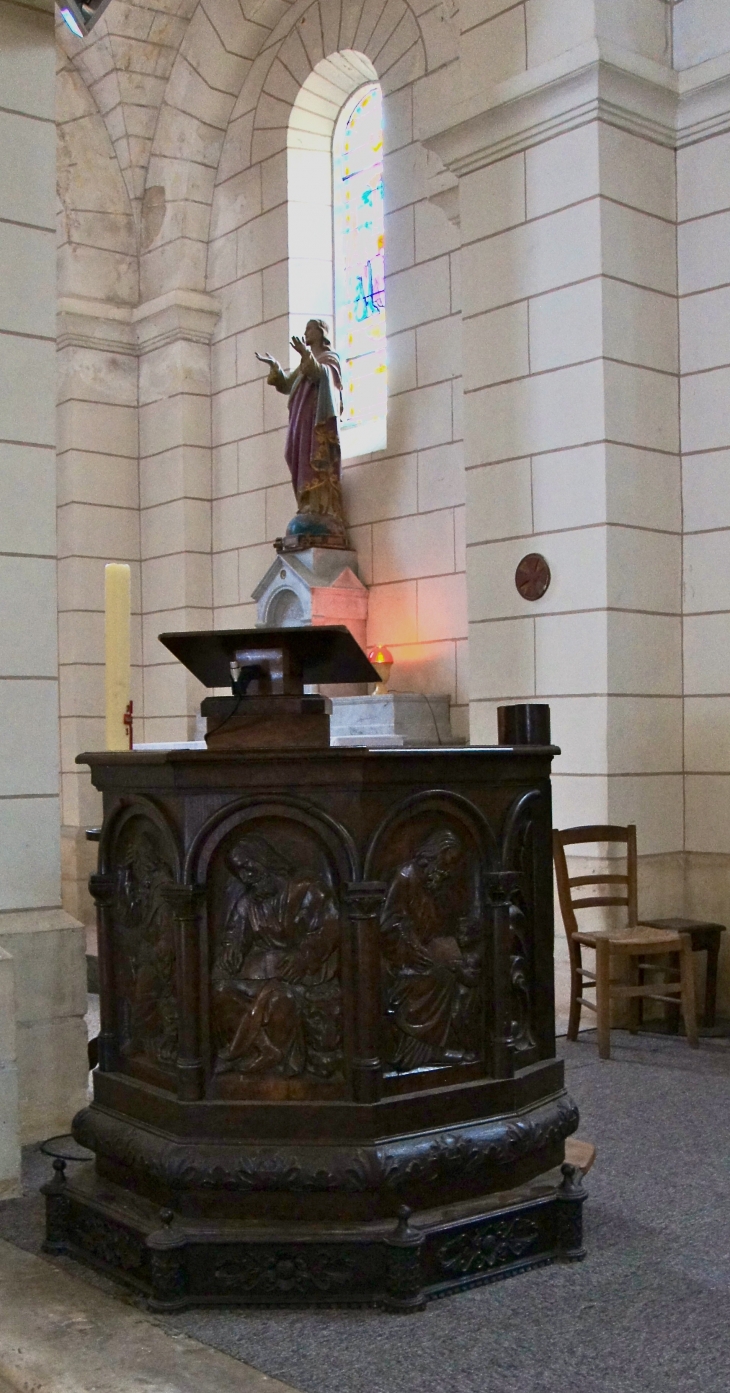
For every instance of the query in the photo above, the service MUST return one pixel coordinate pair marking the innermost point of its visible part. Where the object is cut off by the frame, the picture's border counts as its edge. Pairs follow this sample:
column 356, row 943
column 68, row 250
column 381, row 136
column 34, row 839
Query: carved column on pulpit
column 102, row 889
column 501, row 886
column 185, row 902
column 363, row 906
column 404, row 1282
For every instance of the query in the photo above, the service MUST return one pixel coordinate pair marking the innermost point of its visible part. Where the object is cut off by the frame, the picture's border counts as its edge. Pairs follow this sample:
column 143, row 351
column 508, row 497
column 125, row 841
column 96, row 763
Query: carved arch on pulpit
column 274, row 871
column 514, row 825
column 433, row 852
column 139, row 806
column 140, row 857
column 453, row 806
column 531, row 1012
column 243, row 810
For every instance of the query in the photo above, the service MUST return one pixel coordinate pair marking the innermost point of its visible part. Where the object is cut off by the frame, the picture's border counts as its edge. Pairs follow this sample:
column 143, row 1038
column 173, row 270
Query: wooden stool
column 705, row 937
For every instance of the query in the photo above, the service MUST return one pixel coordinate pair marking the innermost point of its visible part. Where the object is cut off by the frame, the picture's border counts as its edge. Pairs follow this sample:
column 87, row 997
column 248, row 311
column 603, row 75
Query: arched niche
column 140, row 854
column 274, row 876
column 432, row 854
column 315, row 217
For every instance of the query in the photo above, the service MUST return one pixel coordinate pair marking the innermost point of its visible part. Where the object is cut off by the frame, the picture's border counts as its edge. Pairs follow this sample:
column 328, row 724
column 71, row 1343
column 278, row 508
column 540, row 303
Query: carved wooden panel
column 432, row 944
column 143, row 946
column 275, row 955
column 523, row 984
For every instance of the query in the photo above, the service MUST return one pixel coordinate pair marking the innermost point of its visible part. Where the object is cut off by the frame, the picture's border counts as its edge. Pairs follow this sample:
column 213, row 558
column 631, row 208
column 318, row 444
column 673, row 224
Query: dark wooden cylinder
column 526, row 723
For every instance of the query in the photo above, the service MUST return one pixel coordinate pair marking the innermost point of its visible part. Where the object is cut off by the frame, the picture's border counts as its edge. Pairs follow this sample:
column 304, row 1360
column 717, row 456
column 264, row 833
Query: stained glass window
column 359, row 244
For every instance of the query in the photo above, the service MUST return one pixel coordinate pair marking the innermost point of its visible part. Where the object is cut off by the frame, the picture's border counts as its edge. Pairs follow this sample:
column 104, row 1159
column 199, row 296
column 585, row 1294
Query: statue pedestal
column 317, row 586
column 398, row 720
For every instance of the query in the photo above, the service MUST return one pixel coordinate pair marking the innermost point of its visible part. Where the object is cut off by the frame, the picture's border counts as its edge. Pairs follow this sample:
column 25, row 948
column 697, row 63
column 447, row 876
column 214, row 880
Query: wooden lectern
column 327, row 1063
column 267, row 670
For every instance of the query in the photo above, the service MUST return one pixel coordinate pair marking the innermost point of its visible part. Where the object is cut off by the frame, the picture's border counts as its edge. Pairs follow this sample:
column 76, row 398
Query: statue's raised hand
column 299, row 345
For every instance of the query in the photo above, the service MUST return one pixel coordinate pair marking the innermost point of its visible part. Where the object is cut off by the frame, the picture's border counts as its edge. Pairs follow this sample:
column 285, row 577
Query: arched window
column 336, row 232
column 359, row 269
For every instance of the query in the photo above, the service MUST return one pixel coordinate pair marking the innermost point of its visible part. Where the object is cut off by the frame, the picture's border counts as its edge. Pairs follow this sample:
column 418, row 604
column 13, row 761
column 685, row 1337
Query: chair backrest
column 567, row 884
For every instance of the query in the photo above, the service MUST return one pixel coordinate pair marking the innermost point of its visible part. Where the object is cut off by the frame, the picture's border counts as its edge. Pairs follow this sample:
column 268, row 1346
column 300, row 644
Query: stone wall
column 578, row 311
column 702, row 35
column 9, row 1116
column 556, row 210
column 405, row 505
column 42, row 992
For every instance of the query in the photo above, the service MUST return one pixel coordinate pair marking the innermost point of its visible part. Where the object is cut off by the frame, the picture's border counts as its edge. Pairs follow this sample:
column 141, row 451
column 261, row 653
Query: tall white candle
column 118, row 606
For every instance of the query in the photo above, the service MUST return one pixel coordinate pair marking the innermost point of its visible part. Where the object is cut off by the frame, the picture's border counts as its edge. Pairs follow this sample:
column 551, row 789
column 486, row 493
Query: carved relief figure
column 521, row 997
column 522, row 932
column 146, row 946
column 431, row 946
column 277, row 1006
column 312, row 448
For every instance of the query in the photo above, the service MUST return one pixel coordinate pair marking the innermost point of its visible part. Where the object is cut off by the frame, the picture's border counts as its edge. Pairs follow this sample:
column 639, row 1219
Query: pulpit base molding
column 398, row 1265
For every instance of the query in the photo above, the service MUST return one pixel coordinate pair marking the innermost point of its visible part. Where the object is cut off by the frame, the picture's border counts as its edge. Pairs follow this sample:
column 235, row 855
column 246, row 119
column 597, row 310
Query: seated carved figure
column 277, row 1002
column 432, row 957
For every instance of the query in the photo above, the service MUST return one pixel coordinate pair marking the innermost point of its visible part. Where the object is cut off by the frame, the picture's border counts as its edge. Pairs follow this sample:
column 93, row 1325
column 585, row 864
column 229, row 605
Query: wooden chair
column 643, row 945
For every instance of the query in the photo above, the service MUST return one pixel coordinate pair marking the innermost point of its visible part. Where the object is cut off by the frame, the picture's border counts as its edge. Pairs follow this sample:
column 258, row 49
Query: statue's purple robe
column 312, row 449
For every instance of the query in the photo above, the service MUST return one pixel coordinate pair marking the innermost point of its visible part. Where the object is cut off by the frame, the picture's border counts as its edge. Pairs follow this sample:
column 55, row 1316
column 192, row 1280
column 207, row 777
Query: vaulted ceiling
column 161, row 98
column 138, row 50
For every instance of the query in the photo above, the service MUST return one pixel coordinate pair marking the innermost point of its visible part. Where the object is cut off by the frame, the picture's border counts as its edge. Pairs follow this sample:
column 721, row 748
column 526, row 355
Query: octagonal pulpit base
column 326, row 994
column 176, row 1263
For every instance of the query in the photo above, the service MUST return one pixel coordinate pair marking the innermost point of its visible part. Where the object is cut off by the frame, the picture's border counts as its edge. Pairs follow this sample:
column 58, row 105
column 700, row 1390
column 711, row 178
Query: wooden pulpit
column 327, row 1063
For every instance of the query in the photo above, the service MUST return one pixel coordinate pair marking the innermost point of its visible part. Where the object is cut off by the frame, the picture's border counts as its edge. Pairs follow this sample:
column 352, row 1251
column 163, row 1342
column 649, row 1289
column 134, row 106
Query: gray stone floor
column 645, row 1313
column 60, row 1335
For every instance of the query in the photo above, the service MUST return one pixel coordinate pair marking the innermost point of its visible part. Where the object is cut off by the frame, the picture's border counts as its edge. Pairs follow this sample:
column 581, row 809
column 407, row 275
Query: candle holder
column 382, row 660
column 128, row 720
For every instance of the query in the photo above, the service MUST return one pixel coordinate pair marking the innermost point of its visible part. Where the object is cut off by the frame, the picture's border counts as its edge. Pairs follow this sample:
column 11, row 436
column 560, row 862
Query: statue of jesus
column 312, row 449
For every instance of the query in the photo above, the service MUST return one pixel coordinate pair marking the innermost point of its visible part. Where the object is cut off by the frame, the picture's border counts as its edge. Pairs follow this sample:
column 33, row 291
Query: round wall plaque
column 532, row 576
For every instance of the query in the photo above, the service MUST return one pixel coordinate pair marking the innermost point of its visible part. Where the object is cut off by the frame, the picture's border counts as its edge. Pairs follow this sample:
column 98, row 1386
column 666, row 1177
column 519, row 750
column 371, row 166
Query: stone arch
column 214, row 63
column 249, row 231
column 284, row 610
column 217, row 52
column 313, row 118
column 312, row 33
column 97, row 234
column 124, row 63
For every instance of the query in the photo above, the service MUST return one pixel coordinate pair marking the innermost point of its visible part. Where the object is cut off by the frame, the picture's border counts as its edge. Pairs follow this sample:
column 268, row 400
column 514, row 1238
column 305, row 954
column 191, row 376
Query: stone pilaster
column 173, row 337
column 42, row 1036
column 9, row 1129
column 567, row 202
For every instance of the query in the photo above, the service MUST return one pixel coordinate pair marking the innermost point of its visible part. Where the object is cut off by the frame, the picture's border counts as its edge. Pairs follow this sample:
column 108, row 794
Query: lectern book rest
column 267, row 671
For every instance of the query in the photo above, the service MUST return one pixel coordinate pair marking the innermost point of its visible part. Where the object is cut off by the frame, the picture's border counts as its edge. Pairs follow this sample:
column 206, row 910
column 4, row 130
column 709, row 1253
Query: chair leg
column 687, row 978
column 671, row 1011
column 711, row 980
column 603, row 997
column 576, row 987
column 634, row 1001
